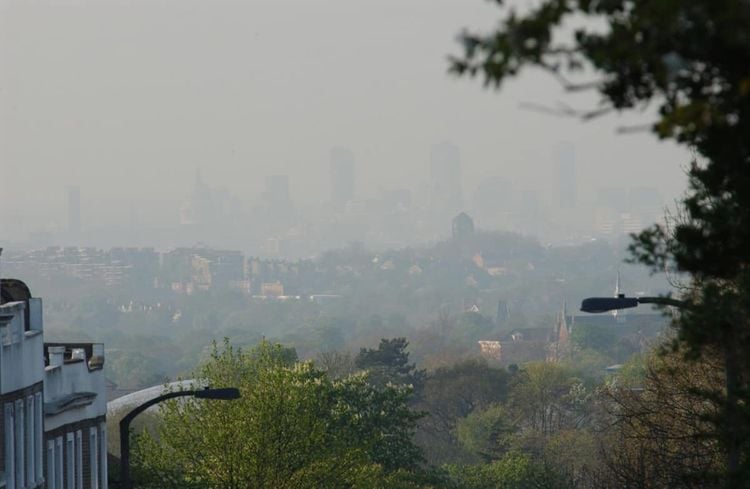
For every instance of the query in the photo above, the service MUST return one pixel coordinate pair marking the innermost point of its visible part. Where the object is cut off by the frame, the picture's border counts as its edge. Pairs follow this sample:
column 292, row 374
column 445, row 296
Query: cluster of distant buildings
column 554, row 344
column 112, row 267
column 189, row 270
column 181, row 270
column 276, row 225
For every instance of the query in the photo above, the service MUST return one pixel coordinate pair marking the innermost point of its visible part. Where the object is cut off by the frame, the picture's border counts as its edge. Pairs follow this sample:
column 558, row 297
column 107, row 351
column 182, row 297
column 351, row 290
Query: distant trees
column 513, row 471
column 486, row 433
column 541, row 435
column 650, row 426
column 168, row 334
column 331, row 424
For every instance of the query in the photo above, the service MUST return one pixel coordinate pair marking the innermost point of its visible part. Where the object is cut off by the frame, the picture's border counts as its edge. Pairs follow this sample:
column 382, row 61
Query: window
column 93, row 458
column 79, row 459
column 39, row 436
column 103, row 455
column 30, row 440
column 51, row 465
column 59, row 463
column 10, row 446
column 20, row 439
column 70, row 463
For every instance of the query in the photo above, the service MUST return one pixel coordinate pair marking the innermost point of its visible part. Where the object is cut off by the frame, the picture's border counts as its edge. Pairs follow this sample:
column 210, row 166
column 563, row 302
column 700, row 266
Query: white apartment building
column 75, row 408
column 52, row 402
column 21, row 388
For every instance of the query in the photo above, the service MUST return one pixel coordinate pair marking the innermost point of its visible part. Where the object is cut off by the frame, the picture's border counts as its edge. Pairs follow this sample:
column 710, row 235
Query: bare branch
column 544, row 109
column 568, row 85
column 564, row 110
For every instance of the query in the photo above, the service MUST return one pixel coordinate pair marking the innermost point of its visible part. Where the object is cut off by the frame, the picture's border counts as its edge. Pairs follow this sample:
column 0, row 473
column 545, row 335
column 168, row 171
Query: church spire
column 617, row 292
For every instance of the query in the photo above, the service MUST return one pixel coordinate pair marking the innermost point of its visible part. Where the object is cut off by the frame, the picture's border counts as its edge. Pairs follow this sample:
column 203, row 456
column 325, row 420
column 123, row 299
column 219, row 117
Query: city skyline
column 131, row 130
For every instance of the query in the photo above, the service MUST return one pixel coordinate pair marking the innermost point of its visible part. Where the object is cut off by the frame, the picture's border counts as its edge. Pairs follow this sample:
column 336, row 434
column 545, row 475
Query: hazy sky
column 128, row 98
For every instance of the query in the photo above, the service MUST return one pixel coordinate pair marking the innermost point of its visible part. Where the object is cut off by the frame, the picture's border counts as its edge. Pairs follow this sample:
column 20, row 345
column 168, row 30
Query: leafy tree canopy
column 389, row 363
column 293, row 427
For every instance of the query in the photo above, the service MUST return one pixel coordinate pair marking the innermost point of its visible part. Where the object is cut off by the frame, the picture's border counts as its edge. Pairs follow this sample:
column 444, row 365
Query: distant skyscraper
column 566, row 175
column 342, row 177
column 446, row 196
column 199, row 208
column 74, row 209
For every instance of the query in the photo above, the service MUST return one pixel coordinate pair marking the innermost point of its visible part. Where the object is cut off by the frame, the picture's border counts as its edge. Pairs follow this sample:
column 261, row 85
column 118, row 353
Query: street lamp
column 605, row 304
column 731, row 368
column 228, row 393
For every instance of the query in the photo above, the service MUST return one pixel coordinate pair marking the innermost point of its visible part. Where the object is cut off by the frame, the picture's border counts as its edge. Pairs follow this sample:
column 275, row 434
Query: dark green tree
column 390, row 364
column 688, row 58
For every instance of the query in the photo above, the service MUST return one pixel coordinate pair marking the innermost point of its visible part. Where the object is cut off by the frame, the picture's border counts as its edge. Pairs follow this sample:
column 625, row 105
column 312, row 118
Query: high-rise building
column 565, row 159
column 342, row 177
column 199, row 208
column 446, row 196
column 74, row 209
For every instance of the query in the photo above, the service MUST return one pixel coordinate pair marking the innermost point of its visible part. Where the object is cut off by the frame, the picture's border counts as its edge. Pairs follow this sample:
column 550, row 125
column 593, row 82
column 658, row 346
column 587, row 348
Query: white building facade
column 75, row 408
column 52, row 402
column 21, row 391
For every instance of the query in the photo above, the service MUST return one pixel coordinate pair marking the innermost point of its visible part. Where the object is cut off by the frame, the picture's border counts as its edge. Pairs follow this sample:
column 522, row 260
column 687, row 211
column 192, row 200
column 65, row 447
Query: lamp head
column 227, row 393
column 605, row 304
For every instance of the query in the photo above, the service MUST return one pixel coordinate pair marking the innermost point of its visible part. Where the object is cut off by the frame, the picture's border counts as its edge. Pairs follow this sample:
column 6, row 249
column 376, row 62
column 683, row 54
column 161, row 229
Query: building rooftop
column 91, row 353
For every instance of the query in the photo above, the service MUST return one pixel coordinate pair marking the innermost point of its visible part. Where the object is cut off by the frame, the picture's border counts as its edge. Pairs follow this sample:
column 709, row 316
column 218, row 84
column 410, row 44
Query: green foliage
column 134, row 370
column 472, row 327
column 593, row 337
column 633, row 372
column 450, row 394
column 486, row 433
column 590, row 364
column 545, row 397
column 390, row 364
column 293, row 427
column 513, row 471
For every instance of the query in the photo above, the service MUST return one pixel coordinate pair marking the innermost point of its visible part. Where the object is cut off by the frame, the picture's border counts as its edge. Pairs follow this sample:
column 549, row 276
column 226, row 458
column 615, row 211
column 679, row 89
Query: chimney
column 56, row 355
column 96, row 362
column 78, row 354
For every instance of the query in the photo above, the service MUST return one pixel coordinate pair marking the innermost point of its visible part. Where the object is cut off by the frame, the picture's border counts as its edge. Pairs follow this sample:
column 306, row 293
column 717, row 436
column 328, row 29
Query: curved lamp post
column 228, row 393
